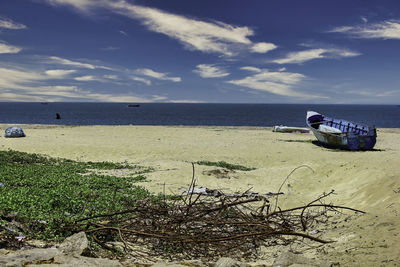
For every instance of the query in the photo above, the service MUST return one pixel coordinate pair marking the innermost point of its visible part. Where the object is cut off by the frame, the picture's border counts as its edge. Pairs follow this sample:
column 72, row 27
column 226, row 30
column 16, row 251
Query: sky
column 208, row 51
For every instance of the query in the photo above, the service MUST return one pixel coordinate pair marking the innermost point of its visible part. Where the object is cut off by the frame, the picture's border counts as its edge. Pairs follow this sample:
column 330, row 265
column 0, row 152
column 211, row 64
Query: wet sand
column 369, row 180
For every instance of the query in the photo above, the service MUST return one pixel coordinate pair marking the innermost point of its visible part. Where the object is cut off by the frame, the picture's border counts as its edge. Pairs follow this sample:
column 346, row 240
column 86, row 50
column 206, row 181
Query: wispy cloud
column 157, row 75
column 29, row 85
column 364, row 19
column 59, row 74
column 11, row 25
column 142, row 80
column 210, row 71
column 77, row 64
column 114, row 98
column 279, row 83
column 185, row 101
column 194, row 34
column 318, row 53
column 109, row 48
column 123, row 33
column 262, row 47
column 82, row 5
column 375, row 93
column 87, row 78
column 8, row 49
column 27, row 79
column 388, row 29
column 19, row 79
column 253, row 69
column 110, row 77
column 16, row 97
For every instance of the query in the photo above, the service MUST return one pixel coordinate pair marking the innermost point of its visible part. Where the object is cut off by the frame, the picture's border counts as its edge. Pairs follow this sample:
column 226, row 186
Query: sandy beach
column 369, row 181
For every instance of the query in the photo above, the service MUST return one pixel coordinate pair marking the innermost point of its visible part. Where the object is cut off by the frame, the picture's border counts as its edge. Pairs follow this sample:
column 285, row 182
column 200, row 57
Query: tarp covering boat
column 341, row 133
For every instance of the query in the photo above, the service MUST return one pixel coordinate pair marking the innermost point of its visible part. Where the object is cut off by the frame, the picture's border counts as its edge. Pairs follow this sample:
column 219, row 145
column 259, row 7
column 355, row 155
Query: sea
column 261, row 115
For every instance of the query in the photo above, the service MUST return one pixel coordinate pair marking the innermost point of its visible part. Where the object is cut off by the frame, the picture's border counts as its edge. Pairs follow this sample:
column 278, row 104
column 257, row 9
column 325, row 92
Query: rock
column 73, row 261
column 75, row 245
column 14, row 132
column 229, row 262
column 67, row 255
column 24, row 257
column 37, row 243
column 290, row 259
column 167, row 264
column 194, row 263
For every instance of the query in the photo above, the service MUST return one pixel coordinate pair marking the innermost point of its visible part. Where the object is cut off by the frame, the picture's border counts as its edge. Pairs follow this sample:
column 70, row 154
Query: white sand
column 369, row 181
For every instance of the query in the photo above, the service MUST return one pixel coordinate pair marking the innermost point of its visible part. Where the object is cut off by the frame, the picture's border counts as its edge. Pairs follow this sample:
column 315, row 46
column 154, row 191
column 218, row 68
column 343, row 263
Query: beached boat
column 341, row 133
column 290, row 129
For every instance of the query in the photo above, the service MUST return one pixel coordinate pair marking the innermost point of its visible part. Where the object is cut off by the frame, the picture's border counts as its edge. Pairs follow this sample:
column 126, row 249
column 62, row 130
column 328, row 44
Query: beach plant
column 225, row 165
column 48, row 194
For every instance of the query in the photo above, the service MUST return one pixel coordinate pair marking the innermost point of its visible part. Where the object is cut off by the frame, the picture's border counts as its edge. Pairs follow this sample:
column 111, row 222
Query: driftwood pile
column 198, row 226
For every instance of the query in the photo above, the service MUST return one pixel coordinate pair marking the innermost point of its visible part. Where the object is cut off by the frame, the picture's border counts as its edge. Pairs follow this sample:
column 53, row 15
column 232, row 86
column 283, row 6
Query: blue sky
column 212, row 51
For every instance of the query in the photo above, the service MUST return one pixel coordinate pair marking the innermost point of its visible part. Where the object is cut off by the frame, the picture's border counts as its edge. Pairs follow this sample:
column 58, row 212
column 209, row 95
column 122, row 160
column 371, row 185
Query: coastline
column 367, row 180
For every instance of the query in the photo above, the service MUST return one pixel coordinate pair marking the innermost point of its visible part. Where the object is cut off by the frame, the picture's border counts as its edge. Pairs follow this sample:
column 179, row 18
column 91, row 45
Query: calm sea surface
column 384, row 116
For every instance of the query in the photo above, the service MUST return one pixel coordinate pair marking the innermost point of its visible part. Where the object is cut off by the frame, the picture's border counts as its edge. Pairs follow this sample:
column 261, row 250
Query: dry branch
column 209, row 226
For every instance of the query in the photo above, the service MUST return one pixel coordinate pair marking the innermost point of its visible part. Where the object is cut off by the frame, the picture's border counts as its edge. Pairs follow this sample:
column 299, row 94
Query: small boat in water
column 133, row 105
column 341, row 133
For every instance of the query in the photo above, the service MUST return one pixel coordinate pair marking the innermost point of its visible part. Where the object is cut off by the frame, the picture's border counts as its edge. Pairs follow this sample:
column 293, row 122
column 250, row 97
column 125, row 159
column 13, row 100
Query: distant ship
column 133, row 106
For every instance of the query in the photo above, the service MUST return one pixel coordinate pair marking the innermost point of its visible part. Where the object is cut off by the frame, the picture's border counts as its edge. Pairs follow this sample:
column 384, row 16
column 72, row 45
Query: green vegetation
column 225, row 165
column 48, row 195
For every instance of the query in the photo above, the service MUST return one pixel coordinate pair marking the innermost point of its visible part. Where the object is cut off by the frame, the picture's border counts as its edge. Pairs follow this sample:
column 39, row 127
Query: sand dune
column 368, row 181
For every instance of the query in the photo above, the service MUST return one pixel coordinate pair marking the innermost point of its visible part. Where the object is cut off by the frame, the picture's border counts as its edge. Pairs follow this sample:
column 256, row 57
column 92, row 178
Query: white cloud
column 262, row 47
column 279, row 83
column 142, row 80
column 111, row 77
column 57, row 74
column 187, row 101
column 389, row 29
column 157, row 75
column 194, row 34
column 78, row 64
column 376, row 93
column 115, row 98
column 82, row 5
column 364, row 19
column 55, row 89
column 28, row 85
column 21, row 97
column 86, row 78
column 8, row 49
column 210, row 71
column 19, row 79
column 253, row 69
column 307, row 55
column 23, row 79
column 11, row 25
column 109, row 48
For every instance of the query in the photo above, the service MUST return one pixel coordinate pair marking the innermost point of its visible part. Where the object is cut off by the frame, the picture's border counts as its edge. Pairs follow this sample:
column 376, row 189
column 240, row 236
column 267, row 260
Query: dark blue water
column 384, row 116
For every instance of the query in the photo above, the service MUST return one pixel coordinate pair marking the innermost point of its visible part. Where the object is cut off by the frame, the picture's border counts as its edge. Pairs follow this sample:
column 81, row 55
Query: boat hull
column 346, row 141
column 352, row 136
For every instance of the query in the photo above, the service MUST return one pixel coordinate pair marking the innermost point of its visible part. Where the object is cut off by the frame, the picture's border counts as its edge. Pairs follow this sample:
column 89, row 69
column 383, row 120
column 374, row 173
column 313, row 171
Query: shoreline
column 365, row 180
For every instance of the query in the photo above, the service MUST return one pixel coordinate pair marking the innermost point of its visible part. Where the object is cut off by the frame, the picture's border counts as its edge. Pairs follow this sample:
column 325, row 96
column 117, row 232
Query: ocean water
column 384, row 116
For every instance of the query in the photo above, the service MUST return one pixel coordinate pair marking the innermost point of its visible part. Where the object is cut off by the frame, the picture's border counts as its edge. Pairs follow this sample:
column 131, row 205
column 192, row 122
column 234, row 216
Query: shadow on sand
column 329, row 147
